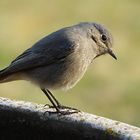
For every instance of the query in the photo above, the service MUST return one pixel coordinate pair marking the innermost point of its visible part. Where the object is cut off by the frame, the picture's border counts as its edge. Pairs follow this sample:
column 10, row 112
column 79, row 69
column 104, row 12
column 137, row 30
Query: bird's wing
column 41, row 54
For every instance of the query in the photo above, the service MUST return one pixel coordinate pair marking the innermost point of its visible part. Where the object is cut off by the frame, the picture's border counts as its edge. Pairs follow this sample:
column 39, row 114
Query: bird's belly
column 71, row 76
column 59, row 75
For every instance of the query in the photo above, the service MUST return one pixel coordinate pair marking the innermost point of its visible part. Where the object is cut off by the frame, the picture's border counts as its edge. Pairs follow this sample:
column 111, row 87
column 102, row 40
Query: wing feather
column 41, row 54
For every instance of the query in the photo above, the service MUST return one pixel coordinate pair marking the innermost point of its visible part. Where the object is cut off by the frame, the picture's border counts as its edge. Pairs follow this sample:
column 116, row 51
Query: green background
column 109, row 88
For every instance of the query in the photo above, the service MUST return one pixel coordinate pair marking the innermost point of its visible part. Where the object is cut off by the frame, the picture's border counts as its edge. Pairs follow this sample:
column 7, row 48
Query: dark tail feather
column 3, row 75
column 7, row 76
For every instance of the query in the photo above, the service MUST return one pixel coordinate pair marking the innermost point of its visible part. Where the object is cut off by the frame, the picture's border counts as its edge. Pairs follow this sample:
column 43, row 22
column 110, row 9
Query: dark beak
column 112, row 53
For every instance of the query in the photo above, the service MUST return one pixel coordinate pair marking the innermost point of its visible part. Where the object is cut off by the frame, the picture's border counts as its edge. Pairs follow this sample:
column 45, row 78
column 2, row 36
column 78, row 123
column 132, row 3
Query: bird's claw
column 60, row 110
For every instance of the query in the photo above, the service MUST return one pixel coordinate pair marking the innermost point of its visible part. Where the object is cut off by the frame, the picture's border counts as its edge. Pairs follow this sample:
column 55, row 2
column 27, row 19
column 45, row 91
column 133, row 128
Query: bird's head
column 102, row 40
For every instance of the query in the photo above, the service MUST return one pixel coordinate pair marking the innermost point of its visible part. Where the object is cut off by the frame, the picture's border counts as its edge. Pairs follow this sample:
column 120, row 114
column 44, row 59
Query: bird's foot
column 67, row 107
column 67, row 112
column 62, row 110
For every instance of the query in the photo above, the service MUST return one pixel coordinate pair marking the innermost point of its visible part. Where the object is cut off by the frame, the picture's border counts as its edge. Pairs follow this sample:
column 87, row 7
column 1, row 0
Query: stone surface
column 27, row 120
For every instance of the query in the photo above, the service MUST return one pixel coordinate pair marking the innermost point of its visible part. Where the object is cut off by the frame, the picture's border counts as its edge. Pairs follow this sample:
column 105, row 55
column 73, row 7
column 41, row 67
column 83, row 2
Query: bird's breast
column 72, row 69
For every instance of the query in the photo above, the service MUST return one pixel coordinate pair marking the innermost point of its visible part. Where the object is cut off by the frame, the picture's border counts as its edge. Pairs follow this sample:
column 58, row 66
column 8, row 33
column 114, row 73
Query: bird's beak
column 112, row 53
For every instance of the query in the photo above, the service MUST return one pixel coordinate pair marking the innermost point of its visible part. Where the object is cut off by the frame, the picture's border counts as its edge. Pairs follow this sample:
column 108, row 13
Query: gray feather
column 45, row 52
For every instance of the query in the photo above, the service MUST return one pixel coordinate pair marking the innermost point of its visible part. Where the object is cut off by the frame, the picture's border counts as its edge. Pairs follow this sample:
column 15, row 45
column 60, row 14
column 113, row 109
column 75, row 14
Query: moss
column 111, row 132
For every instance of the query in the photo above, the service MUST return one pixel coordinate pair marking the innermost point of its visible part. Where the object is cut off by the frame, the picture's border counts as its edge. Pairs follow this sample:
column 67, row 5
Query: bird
column 60, row 59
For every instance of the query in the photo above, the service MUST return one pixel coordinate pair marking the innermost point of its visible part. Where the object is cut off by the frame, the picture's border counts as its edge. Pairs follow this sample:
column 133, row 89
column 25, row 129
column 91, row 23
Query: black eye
column 103, row 37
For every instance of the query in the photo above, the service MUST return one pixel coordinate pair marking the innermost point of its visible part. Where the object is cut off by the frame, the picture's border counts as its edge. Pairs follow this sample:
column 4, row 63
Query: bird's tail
column 3, row 76
column 7, row 76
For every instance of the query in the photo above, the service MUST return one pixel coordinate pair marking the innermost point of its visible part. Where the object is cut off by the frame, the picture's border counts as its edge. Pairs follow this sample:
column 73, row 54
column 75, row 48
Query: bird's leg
column 50, row 96
column 54, row 105
column 59, row 105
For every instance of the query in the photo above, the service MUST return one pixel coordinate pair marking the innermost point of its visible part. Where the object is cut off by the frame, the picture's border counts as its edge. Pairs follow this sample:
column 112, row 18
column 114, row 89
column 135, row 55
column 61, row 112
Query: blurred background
column 109, row 88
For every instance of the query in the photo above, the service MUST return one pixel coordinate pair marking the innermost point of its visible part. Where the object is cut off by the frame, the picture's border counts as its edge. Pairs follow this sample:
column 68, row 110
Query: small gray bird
column 60, row 59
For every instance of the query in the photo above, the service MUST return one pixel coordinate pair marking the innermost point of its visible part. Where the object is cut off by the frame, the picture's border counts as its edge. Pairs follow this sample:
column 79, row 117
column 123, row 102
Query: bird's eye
column 103, row 37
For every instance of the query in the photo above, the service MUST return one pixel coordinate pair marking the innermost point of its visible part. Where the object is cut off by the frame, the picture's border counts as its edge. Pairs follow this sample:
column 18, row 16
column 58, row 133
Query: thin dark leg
column 46, row 93
column 58, row 104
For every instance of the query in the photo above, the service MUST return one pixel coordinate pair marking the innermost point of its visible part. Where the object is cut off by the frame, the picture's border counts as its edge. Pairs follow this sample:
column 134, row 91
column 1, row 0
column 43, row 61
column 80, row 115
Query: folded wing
column 41, row 54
